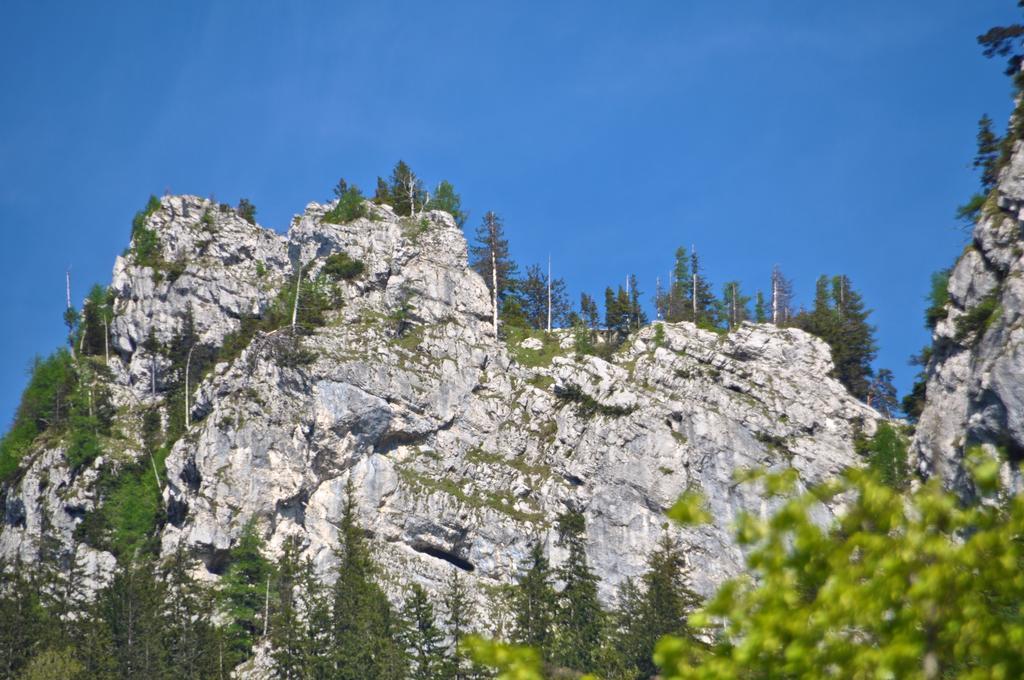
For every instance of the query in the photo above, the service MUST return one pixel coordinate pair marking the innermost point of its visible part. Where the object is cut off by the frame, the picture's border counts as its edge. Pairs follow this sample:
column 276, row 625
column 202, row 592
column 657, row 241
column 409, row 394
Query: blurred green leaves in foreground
column 915, row 584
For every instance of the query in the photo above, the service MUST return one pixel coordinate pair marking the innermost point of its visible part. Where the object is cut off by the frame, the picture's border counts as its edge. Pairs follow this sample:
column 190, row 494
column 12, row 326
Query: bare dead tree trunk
column 188, row 365
column 266, row 608
column 298, row 287
column 106, row 342
column 775, row 298
column 67, row 283
column 494, row 287
column 549, row 293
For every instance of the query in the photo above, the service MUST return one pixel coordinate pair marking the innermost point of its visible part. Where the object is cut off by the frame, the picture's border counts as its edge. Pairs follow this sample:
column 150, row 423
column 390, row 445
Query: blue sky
column 825, row 137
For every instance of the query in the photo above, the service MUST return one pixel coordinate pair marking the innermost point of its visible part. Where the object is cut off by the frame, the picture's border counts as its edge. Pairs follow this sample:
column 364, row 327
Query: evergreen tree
column 489, row 257
column 97, row 315
column 289, row 635
column 760, row 309
column 579, row 619
column 382, row 195
column 882, row 393
column 616, row 310
column 679, row 305
column 243, row 594
column 424, row 641
column 131, row 609
column 446, row 199
column 589, row 314
column 735, row 305
column 854, row 347
column 365, row 630
column 406, row 190
column 191, row 636
column 662, row 608
column 532, row 292
column 459, row 616
column 987, row 157
column 839, row 318
column 629, row 639
column 246, row 210
column 533, row 604
column 703, row 300
column 637, row 315
column 23, row 619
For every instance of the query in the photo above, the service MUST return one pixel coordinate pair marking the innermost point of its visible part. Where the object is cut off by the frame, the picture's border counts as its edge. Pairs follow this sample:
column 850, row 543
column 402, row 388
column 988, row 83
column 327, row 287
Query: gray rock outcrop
column 462, row 449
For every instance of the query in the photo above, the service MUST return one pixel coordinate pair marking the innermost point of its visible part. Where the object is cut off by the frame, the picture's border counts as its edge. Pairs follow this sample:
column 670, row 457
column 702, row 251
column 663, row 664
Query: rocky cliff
column 975, row 388
column 462, row 447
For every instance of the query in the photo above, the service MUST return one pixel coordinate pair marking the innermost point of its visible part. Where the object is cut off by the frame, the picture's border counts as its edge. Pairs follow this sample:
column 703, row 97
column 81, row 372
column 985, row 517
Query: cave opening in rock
column 441, row 554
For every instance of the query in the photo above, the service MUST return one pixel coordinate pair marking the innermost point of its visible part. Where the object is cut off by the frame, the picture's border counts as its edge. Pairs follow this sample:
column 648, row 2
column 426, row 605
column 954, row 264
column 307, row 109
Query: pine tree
column 382, row 195
column 735, row 305
column 987, row 157
column 616, row 310
column 663, row 606
column 760, row 309
column 191, row 635
column 588, row 312
column 97, row 315
column 365, row 629
column 637, row 315
column 489, row 257
column 579, row 619
column 424, row 641
column 446, row 199
column 459, row 615
column 532, row 292
column 131, row 609
column 704, row 304
column 679, row 305
column 854, row 348
column 882, row 393
column 246, row 210
column 533, row 604
column 289, row 635
column 23, row 619
column 406, row 190
column 243, row 594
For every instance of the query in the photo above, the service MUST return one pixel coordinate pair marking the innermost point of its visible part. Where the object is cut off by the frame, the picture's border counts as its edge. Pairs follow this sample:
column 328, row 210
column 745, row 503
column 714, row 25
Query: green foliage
column 53, row 664
column 976, row 320
column 243, row 593
column 938, row 298
column 901, row 585
column 97, row 315
column 341, row 267
column 532, row 358
column 887, row 456
column 534, row 603
column 350, row 206
column 139, row 220
column 513, row 662
column 840, row 319
column 579, row 620
column 424, row 641
column 405, row 190
column 365, row 632
column 446, row 199
column 587, row 406
column 45, row 405
column 145, row 243
column 246, row 210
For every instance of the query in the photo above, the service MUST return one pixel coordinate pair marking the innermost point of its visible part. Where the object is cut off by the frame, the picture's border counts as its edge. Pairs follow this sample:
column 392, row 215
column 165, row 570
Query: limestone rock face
column 461, row 450
column 975, row 393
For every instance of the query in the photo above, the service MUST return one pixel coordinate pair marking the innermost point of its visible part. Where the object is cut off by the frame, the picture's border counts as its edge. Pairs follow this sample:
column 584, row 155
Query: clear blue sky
column 826, row 137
